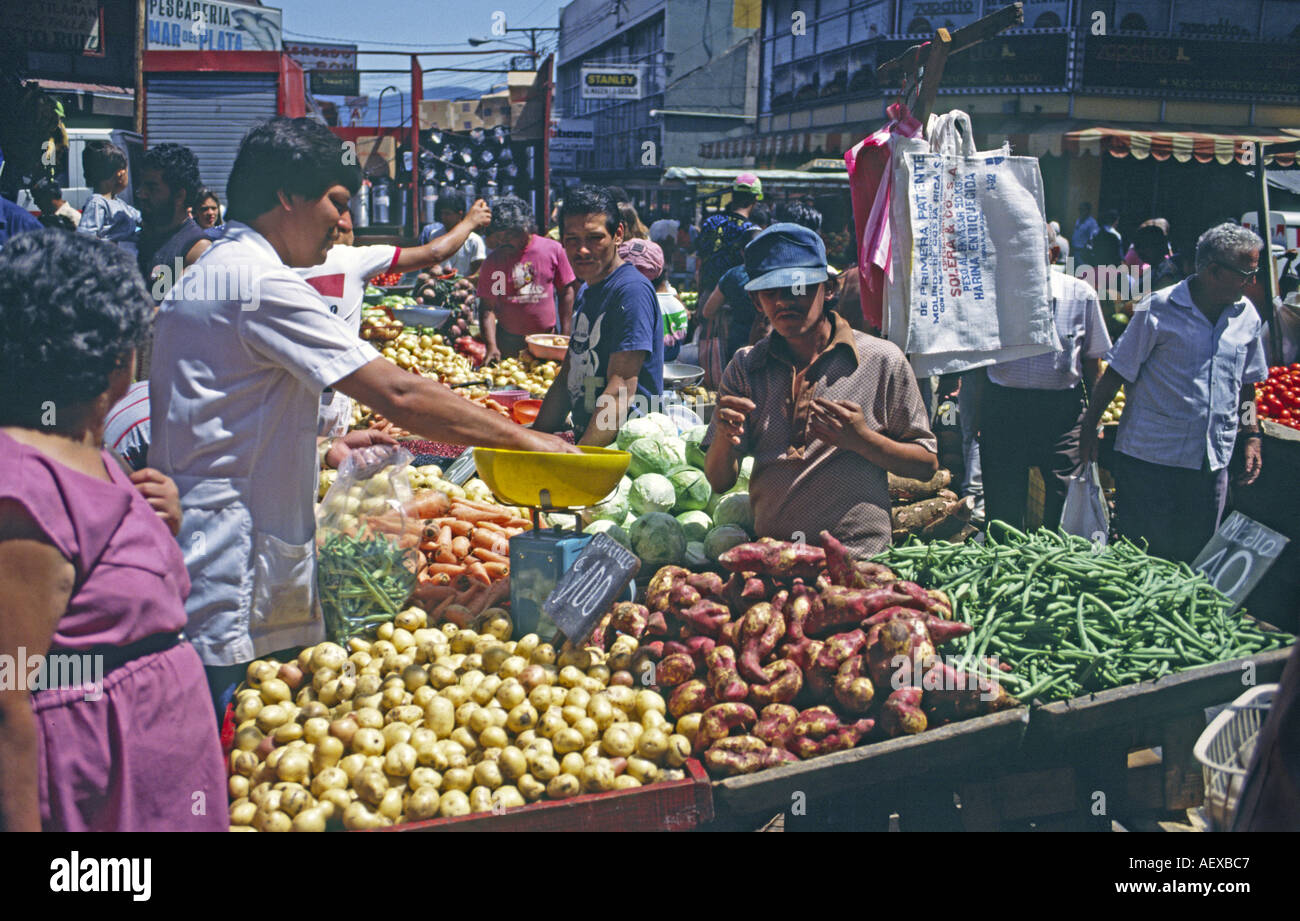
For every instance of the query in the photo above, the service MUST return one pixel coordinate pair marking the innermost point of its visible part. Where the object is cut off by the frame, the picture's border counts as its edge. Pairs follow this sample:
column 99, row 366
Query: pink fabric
column 145, row 754
column 530, row 279
column 868, row 164
column 1132, row 258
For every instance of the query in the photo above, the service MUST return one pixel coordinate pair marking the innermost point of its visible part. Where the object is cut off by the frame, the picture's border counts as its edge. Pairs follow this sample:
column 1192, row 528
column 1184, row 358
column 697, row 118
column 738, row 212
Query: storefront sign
column 212, row 25
column 1238, row 555
column 573, row 134
column 68, row 25
column 609, row 81
column 319, row 56
column 1192, row 66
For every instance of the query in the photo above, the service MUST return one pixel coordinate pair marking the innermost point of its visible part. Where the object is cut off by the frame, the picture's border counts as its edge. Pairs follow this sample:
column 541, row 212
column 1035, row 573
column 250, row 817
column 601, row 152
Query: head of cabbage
column 613, row 508
column 652, row 492
column 610, row 528
column 664, row 423
column 721, row 539
column 734, row 509
column 692, row 488
column 695, row 557
column 640, row 427
column 658, row 540
column 696, row 524
column 694, row 451
column 654, row 455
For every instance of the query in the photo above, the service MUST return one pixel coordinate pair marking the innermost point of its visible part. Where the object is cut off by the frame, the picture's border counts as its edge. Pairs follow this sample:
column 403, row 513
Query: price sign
column 1238, row 555
column 584, row 593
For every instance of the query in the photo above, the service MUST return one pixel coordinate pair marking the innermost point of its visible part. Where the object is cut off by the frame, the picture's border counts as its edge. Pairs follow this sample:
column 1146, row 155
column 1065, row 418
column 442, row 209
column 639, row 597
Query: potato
column 526, row 644
column 359, row 661
column 511, row 694
column 238, row 786
column 244, row 763
column 248, row 706
column 688, row 725
column 485, row 690
column 352, row 765
column 601, row 711
column 551, row 723
column 575, row 658
column 294, row 800
column 402, row 640
column 315, row 729
column 381, row 648
column 385, row 631
column 440, row 676
column 493, row 737
column 540, row 697
column 294, row 766
column 513, row 666
column 463, row 641
column 454, row 752
column 453, row 803
column 622, row 678
column 440, row 717
column 457, row 694
column 368, row 742
column 424, row 777
column 599, row 673
column 488, row 774
column 507, row 797
column 647, row 700
column 331, row 778
column 513, row 763
column 271, row 717
column 493, row 657
column 522, row 718
column 643, row 769
column 540, row 745
column 412, row 619
column 275, row 821
column 563, row 786
column 571, row 677
column 370, row 784
column 543, row 654
column 326, row 753
column 409, row 714
column 496, row 622
column 400, row 760
column 358, row 815
column 393, row 697
column 368, row 717
column 572, row 763
column 356, row 644
column 598, row 776
column 531, row 788
column 242, row 812
column 477, row 719
column 617, row 741
column 543, row 766
column 328, row 655
column 422, row 804
column 465, row 739
column 623, row 698
column 652, row 745
column 591, row 753
column 390, row 807
column 568, row 740
column 457, row 778
column 259, row 670
column 338, row 799
column 480, row 799
column 573, row 714
column 414, row 677
column 679, row 749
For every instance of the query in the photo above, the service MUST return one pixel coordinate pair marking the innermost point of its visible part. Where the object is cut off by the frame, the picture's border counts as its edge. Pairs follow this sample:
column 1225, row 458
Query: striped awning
column 1182, row 146
column 830, row 143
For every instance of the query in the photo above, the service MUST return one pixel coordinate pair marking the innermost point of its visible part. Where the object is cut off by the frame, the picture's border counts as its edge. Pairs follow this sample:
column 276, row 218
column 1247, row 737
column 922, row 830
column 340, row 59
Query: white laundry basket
column 1225, row 749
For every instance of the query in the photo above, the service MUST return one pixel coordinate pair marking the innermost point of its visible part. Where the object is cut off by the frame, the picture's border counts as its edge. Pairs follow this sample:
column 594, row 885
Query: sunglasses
column 1243, row 274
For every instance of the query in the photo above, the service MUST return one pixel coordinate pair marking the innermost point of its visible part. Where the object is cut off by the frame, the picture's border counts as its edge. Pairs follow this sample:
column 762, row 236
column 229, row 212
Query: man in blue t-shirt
column 615, row 364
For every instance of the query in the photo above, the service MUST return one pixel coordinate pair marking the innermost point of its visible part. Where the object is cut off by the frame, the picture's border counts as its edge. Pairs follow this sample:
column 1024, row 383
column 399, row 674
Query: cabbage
column 734, row 509
column 561, row 520
column 627, row 522
column 696, row 524
column 664, row 423
column 610, row 528
column 652, row 493
column 696, row 558
column 692, row 488
column 721, row 539
column 694, row 452
column 658, row 539
column 614, row 508
column 654, row 455
column 746, row 470
column 637, row 428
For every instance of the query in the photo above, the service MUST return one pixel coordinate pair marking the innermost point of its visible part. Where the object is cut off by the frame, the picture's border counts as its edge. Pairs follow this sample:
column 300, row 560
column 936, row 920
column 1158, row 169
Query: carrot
column 430, row 503
column 522, row 524
column 476, row 570
column 461, row 528
column 487, row 556
column 496, row 571
column 476, row 515
column 489, row 540
column 460, row 546
column 446, row 569
column 491, row 526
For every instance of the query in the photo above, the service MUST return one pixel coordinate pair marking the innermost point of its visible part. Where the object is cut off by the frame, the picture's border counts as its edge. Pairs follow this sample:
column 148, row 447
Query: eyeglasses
column 1243, row 274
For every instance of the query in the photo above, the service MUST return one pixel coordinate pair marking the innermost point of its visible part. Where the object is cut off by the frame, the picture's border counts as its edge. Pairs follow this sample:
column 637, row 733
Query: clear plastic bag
column 366, row 545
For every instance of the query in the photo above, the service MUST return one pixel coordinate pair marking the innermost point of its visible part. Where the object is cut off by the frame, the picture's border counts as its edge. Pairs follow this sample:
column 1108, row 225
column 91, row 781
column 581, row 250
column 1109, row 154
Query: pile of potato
column 425, row 722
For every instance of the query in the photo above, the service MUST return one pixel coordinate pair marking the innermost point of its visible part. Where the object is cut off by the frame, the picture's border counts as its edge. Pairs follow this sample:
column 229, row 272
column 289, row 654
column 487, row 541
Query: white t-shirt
column 341, row 281
column 471, row 251
column 242, row 350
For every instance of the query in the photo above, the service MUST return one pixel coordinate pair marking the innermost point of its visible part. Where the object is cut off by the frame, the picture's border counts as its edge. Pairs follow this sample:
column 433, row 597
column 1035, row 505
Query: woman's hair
column 296, row 156
column 1224, row 243
column 511, row 214
column 71, row 308
column 101, row 160
column 633, row 229
column 204, row 194
column 179, row 168
column 591, row 199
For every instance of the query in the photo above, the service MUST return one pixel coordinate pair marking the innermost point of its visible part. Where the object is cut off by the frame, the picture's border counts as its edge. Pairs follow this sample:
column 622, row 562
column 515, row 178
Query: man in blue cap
column 826, row 411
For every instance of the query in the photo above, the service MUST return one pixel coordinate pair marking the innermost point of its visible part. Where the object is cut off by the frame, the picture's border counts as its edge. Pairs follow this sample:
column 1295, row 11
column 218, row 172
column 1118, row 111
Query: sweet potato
column 839, row 564
column 755, row 589
column 674, row 669
column 682, row 596
column 943, row 631
column 841, row 738
column 779, row 559
column 724, row 678
column 728, row 760
column 853, row 689
column 662, row 584
column 840, row 647
column 784, row 681
column 629, row 618
column 905, row 489
column 656, row 624
column 692, row 697
column 878, row 573
column 719, row 721
column 774, row 723
column 709, row 584
column 901, row 713
column 845, row 607
column 815, row 722
column 803, row 602
column 760, row 630
column 706, row 618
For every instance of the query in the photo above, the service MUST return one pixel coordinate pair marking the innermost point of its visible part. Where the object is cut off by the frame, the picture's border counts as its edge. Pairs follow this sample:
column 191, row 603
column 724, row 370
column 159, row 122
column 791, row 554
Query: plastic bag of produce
column 366, row 545
column 1084, row 512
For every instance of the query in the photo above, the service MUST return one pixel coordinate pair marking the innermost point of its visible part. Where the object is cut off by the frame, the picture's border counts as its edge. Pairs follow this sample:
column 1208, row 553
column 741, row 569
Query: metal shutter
column 209, row 114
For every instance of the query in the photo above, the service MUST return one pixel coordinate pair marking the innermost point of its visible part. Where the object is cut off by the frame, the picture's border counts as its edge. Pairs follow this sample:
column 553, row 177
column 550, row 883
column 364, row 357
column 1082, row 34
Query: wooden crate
column 677, row 805
column 859, row 788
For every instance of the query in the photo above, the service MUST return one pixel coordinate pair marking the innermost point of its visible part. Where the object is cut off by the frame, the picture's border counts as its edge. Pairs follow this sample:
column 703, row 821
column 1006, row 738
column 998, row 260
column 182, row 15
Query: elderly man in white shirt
column 242, row 350
column 1030, row 409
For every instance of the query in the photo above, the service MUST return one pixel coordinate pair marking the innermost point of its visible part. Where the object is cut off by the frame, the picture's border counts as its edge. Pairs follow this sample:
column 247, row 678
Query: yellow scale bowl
column 574, row 480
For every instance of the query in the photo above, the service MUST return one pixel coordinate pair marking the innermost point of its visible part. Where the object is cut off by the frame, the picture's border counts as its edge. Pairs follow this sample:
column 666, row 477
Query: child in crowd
column 647, row 257
column 106, row 216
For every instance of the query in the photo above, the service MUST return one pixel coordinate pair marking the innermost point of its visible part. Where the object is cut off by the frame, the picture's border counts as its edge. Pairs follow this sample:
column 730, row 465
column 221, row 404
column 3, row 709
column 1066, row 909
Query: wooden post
column 417, row 96
column 141, row 28
column 1267, row 277
column 940, row 48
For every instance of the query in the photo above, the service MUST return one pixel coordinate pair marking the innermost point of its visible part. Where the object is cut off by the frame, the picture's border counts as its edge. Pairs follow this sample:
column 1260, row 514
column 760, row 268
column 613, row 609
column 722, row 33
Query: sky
column 421, row 25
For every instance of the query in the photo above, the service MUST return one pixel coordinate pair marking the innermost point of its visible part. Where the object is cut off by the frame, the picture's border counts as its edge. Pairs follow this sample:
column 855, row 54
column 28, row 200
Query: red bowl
column 525, row 411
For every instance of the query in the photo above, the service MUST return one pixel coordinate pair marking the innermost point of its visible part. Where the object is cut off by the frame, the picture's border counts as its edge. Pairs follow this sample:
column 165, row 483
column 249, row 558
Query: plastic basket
column 1225, row 749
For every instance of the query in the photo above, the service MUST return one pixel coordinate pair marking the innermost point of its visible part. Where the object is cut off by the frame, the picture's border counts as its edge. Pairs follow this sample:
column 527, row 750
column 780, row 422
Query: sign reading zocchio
column 611, row 82
column 1192, row 66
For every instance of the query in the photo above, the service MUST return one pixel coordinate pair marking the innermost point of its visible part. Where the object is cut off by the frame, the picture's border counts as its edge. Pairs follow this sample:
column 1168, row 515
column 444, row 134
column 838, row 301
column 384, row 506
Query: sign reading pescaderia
column 212, row 25
column 37, row 25
column 613, row 81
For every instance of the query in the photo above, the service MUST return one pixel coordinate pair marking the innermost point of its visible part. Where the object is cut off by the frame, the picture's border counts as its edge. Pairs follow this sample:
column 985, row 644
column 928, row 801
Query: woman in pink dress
column 105, row 719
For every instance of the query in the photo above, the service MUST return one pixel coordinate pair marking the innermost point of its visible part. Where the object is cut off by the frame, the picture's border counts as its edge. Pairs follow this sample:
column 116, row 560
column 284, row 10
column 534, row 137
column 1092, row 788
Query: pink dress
column 141, row 753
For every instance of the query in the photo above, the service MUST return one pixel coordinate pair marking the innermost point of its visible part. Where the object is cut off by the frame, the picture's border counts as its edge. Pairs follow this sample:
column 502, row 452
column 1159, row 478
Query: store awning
column 1182, row 143
column 707, row 180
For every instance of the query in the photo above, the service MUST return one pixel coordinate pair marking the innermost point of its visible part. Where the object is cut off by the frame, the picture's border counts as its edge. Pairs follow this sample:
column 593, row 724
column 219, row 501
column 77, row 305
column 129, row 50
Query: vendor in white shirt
column 238, row 370
column 469, row 253
column 341, row 282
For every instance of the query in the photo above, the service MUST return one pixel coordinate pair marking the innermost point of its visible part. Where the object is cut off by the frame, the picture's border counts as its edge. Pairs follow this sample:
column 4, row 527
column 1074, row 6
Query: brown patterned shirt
column 800, row 483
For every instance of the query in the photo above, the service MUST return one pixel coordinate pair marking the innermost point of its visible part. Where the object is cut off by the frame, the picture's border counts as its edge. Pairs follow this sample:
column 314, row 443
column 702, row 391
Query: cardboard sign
column 1238, row 555
column 584, row 593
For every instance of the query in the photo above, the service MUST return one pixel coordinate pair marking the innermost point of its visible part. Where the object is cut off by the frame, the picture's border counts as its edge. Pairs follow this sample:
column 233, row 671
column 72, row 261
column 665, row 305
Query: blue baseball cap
column 785, row 255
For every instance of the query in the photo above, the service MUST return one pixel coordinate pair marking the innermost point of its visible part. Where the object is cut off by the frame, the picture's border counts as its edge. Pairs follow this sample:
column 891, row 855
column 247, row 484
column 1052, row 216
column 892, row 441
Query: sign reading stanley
column 613, row 81
column 212, row 25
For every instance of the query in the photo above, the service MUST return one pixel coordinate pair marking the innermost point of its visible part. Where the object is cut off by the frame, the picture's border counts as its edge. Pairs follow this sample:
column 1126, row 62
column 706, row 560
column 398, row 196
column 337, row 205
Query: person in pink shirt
column 105, row 719
column 526, row 285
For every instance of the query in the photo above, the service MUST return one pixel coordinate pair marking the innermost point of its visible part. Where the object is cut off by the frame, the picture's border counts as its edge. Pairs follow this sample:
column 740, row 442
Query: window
column 469, row 125
column 832, row 33
column 869, row 21
column 834, row 74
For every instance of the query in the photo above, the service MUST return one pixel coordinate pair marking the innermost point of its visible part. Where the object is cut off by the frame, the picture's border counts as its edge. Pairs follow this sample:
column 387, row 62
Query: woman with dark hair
column 633, row 229
column 115, row 732
column 207, row 209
